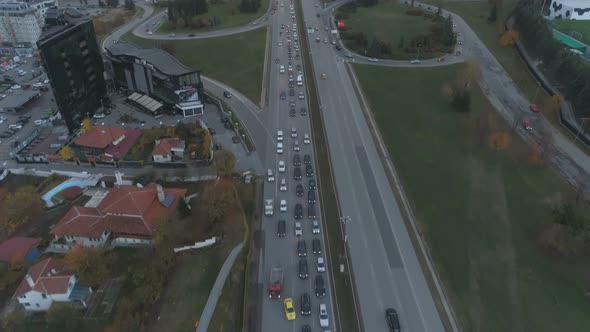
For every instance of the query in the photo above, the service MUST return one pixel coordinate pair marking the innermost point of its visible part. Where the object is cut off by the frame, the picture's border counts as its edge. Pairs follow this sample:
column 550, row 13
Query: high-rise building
column 21, row 21
column 73, row 63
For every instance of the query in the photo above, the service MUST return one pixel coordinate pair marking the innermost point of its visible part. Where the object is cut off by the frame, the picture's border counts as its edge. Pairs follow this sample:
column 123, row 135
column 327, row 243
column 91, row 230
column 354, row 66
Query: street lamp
column 580, row 128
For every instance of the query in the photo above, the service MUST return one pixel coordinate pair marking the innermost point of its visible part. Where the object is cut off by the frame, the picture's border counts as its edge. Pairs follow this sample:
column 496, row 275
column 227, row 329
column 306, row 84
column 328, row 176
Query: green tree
column 375, row 48
column 400, row 45
column 14, row 321
column 90, row 265
column 63, row 316
column 225, row 162
column 461, row 100
column 493, row 14
column 566, row 215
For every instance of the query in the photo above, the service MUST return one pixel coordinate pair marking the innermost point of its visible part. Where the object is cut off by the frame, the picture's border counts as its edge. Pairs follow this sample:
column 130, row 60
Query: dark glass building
column 73, row 63
column 154, row 77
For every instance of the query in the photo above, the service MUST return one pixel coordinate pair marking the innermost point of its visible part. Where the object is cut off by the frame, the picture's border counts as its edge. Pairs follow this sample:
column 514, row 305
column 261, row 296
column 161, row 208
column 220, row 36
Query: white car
column 281, row 166
column 39, row 122
column 415, row 61
column 282, row 69
column 99, row 115
column 269, row 176
column 283, row 186
column 306, row 139
column 280, row 135
column 15, row 126
column 294, row 132
column 315, row 227
column 15, row 87
column 290, row 68
column 296, row 145
column 298, row 229
column 324, row 320
column 280, row 43
column 321, row 265
column 280, row 148
column 150, row 33
column 45, row 81
column 373, row 60
column 283, row 205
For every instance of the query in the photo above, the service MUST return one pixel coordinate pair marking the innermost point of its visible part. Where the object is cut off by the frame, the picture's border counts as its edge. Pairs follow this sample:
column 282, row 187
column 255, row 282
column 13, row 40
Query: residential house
column 17, row 248
column 106, row 143
column 168, row 149
column 127, row 215
column 49, row 281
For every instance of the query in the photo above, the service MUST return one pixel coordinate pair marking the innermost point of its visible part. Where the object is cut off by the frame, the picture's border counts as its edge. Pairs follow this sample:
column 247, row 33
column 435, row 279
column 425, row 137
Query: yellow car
column 289, row 309
column 324, row 76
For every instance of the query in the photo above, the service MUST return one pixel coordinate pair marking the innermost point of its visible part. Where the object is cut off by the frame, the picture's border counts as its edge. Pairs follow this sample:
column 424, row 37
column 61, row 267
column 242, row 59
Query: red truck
column 275, row 285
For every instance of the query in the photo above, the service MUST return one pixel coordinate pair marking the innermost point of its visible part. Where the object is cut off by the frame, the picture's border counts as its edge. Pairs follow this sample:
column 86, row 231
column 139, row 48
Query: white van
column 415, row 61
column 282, row 69
column 269, row 176
column 300, row 80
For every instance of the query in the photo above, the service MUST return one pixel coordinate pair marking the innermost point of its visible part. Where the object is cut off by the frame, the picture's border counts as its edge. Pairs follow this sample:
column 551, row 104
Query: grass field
column 481, row 210
column 227, row 12
column 573, row 26
column 388, row 22
column 236, row 60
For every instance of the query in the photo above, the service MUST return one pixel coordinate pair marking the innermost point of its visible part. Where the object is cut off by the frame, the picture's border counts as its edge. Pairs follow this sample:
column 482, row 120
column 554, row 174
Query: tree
column 566, row 215
column 215, row 200
column 499, row 140
column 87, row 125
column 225, row 162
column 67, row 153
column 375, row 49
column 204, row 151
column 180, row 23
column 493, row 14
column 18, row 208
column 509, row 38
column 469, row 72
column 63, row 316
column 400, row 45
column 14, row 321
column 89, row 264
column 461, row 100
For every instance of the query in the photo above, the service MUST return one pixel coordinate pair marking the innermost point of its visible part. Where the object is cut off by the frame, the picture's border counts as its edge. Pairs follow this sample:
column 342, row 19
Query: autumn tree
column 89, row 264
column 62, row 316
column 215, row 200
column 13, row 321
column 499, row 140
column 509, row 38
column 204, row 151
column 552, row 104
column 87, row 125
column 18, row 208
column 67, row 153
column 225, row 162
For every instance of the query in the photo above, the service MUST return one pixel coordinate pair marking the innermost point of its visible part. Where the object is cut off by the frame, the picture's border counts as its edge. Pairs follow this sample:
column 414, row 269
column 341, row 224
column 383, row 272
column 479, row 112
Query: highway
column 283, row 251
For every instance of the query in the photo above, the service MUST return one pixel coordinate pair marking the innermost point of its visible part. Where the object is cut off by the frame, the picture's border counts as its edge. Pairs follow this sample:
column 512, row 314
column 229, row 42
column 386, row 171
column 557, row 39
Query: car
column 280, row 43
column 315, row 227
column 15, row 87
column 324, row 76
column 307, row 159
column 299, row 190
column 297, row 173
column 321, row 265
column 308, row 171
column 298, row 229
column 293, row 132
column 283, row 205
column 325, row 40
column 289, row 309
column 298, row 67
column 317, row 39
column 283, row 95
column 270, row 177
column 46, row 81
column 534, row 108
column 172, row 34
column 415, row 61
column 311, row 196
column 320, row 288
column 457, row 53
column 301, row 248
column 348, row 55
column 311, row 184
column 296, row 145
column 279, row 148
column 303, row 111
column 226, row 94
column 282, row 69
column 296, row 160
column 280, row 135
column 460, row 42
column 303, row 269
column 99, row 116
column 392, row 320
column 526, row 124
column 15, row 126
column 311, row 211
column 338, row 47
column 306, row 139
column 149, row 33
column 440, row 59
column 191, row 35
column 282, row 166
column 291, row 84
column 301, row 95
column 290, row 67
column 281, row 228
column 305, row 305
column 373, row 60
column 283, row 186
column 291, row 92
column 298, row 211
column 291, row 103
column 324, row 320
column 316, row 247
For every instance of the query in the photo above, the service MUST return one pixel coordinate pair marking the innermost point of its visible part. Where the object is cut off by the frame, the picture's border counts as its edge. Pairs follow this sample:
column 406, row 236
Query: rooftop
column 18, row 98
column 165, row 146
column 158, row 58
column 49, row 276
column 17, row 246
column 100, row 137
column 58, row 20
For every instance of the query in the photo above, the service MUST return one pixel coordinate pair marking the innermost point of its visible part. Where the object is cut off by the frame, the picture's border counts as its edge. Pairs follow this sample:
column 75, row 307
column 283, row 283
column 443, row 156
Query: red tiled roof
column 15, row 246
column 166, row 145
column 50, row 276
column 125, row 209
column 71, row 192
column 121, row 149
column 100, row 137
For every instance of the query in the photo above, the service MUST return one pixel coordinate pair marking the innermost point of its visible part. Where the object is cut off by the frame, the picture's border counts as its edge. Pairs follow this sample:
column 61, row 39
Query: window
column 44, row 295
column 27, row 304
column 37, row 305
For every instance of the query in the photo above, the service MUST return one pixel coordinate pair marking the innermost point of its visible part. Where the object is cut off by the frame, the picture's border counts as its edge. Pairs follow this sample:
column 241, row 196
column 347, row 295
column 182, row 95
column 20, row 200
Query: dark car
column 298, row 212
column 320, row 288
column 338, row 47
column 311, row 184
column 227, row 125
column 303, row 269
column 311, row 211
column 307, row 159
column 306, row 328
column 291, row 92
column 291, row 84
column 283, row 95
column 305, row 304
column 4, row 135
column 303, row 111
column 191, row 34
column 316, row 247
column 297, row 173
column 301, row 248
column 308, row 171
column 392, row 320
column 226, row 94
column 296, row 160
column 311, row 196
column 281, row 228
column 292, row 112
column 299, row 190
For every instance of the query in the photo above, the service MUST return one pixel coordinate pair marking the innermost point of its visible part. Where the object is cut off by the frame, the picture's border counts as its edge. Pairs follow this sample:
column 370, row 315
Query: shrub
column 415, row 12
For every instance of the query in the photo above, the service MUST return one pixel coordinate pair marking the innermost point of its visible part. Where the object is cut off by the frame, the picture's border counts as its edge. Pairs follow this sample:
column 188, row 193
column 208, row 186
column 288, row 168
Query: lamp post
column 580, row 128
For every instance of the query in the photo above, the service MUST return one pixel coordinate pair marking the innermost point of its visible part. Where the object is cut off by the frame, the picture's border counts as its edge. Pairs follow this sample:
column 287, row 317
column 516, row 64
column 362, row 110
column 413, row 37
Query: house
column 168, row 149
column 17, row 248
column 106, row 143
column 49, row 281
column 127, row 215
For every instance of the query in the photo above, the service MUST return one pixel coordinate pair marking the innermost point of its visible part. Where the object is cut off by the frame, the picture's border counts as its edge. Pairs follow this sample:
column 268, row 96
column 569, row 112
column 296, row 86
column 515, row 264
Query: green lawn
column 388, row 22
column 480, row 210
column 572, row 28
column 235, row 60
column 227, row 12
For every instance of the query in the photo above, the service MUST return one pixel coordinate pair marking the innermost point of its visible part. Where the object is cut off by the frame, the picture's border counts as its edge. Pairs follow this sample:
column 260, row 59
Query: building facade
column 72, row 60
column 157, row 74
column 21, row 21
